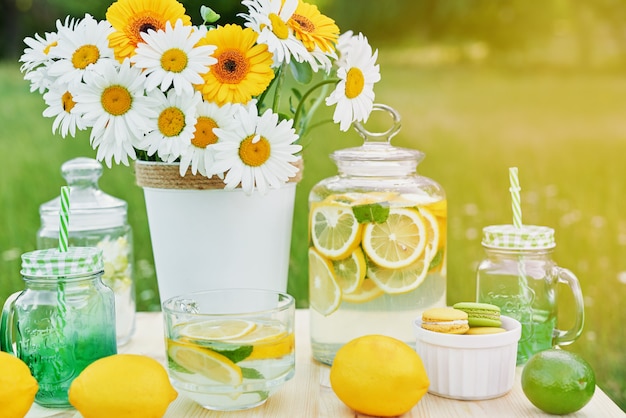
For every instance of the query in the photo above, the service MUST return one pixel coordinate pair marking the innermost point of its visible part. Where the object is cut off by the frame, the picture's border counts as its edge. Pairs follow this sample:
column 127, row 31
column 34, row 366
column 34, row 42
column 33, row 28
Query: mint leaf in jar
column 371, row 212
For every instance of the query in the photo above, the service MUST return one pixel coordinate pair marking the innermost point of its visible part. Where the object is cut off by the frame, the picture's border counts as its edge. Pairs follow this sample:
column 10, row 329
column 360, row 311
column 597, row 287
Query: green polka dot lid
column 53, row 262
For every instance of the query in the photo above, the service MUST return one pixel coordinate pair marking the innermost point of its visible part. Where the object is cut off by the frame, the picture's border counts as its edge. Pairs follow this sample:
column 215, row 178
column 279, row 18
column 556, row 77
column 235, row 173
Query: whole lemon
column 558, row 381
column 17, row 386
column 122, row 386
column 378, row 375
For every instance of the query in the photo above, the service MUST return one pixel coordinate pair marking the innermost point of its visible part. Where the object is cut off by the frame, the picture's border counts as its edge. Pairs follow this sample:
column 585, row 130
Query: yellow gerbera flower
column 243, row 68
column 131, row 18
column 313, row 28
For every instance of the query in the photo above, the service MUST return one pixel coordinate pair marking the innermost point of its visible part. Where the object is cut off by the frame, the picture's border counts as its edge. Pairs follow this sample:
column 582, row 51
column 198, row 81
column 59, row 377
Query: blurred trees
column 505, row 27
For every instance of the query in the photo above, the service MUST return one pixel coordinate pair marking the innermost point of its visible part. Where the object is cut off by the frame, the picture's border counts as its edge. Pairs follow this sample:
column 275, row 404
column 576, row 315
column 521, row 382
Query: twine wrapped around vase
column 167, row 176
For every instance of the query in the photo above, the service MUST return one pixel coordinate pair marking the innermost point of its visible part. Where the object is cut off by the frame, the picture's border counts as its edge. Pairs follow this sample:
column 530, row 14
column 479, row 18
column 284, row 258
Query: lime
column 350, row 271
column 399, row 241
column 558, row 381
column 335, row 231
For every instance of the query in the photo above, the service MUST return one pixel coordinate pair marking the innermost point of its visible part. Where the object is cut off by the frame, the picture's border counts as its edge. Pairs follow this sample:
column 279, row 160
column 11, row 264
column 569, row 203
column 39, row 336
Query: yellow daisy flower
column 313, row 28
column 130, row 18
column 243, row 69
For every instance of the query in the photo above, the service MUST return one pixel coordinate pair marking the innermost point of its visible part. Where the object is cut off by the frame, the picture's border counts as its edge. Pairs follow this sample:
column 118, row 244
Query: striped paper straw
column 515, row 197
column 64, row 218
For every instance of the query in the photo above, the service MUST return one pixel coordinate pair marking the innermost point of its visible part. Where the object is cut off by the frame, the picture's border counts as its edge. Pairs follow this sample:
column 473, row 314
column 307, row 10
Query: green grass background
column 566, row 131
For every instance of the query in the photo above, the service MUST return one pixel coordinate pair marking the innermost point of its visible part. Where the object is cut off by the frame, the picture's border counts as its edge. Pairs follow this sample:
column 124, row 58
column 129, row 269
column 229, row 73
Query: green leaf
column 372, row 212
column 233, row 354
column 301, row 71
column 437, row 259
column 208, row 15
column 249, row 373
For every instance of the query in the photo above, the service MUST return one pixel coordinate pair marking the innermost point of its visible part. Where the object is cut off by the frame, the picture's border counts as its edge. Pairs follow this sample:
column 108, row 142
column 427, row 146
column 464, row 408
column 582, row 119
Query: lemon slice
column 282, row 345
column 432, row 228
column 205, row 362
column 366, row 292
column 217, row 329
column 325, row 294
column 334, row 230
column 396, row 281
column 262, row 334
column 399, row 241
column 350, row 271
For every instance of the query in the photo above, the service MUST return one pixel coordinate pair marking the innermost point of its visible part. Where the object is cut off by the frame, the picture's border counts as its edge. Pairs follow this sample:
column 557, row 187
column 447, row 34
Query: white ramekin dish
column 469, row 367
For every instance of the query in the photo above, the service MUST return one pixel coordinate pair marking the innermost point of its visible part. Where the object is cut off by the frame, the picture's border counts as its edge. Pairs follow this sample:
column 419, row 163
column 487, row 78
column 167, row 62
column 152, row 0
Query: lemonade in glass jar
column 377, row 248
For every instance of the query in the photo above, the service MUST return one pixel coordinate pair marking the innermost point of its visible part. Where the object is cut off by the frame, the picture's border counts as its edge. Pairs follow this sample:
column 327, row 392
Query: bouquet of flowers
column 151, row 85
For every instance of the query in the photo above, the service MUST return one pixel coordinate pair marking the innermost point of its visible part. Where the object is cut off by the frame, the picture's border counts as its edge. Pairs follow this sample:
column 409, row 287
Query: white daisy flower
column 80, row 49
column 61, row 105
column 173, row 125
column 319, row 59
column 354, row 94
column 113, row 104
column 344, row 45
column 269, row 19
column 38, row 51
column 258, row 153
column 39, row 79
column 199, row 153
column 39, row 47
column 171, row 57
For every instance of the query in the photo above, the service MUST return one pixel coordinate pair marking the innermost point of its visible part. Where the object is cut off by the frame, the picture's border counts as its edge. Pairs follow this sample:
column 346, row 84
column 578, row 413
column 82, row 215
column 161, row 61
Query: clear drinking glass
column 62, row 321
column 230, row 349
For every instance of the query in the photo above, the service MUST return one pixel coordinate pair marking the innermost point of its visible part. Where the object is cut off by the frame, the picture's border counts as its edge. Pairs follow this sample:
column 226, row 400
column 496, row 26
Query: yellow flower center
column 116, row 100
column 48, row 47
column 355, row 81
column 304, row 23
column 85, row 55
column 278, row 26
column 171, row 121
column 254, row 153
column 204, row 136
column 231, row 67
column 174, row 60
column 67, row 101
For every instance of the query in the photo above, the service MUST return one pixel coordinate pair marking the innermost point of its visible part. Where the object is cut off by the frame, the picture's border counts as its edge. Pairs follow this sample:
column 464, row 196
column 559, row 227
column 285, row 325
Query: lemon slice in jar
column 402, row 280
column 350, row 271
column 335, row 231
column 325, row 295
column 399, row 241
column 367, row 292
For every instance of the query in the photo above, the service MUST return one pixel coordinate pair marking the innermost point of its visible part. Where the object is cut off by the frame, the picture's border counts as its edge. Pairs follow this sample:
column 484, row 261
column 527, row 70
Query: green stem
column 298, row 111
column 279, row 86
column 261, row 99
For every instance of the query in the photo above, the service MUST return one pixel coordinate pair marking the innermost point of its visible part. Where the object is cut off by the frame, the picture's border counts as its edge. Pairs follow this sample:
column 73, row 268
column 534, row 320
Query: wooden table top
column 308, row 394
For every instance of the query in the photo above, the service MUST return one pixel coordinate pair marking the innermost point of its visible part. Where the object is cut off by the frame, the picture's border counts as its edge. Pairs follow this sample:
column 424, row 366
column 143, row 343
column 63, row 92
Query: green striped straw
column 517, row 223
column 64, row 220
column 515, row 197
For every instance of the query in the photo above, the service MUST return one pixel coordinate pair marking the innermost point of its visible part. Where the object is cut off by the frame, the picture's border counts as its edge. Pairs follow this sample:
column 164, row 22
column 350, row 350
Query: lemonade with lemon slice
column 230, row 362
column 376, row 261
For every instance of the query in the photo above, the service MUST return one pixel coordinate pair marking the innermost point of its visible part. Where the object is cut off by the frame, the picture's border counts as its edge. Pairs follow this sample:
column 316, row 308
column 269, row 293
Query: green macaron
column 480, row 314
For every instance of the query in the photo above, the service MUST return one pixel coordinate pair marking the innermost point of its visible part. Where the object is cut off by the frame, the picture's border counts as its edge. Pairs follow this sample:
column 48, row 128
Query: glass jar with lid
column 377, row 250
column 96, row 220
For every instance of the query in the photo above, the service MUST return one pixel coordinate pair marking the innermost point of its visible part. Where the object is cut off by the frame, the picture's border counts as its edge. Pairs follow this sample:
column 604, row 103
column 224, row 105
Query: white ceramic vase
column 205, row 237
